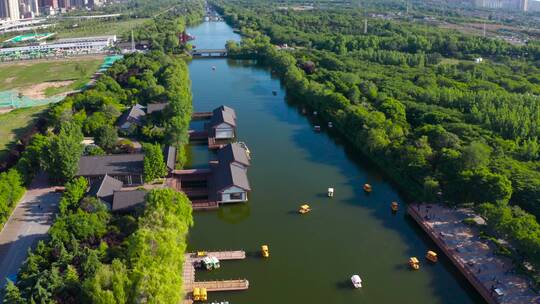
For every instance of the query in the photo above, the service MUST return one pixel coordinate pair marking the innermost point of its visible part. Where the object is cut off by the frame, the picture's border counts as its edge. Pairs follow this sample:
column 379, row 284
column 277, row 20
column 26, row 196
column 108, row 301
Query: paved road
column 29, row 223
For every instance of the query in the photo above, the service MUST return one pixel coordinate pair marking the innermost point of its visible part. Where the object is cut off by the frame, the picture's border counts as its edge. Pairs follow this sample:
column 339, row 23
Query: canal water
column 312, row 256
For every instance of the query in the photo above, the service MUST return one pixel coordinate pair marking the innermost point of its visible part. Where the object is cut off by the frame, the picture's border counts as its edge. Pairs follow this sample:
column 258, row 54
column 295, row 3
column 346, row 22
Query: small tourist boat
column 414, row 263
column 304, row 209
column 264, row 251
column 367, row 188
column 211, row 263
column 213, row 68
column 432, row 256
column 395, row 206
column 330, row 124
column 200, row 294
column 356, row 281
column 317, row 128
column 315, row 113
column 201, row 254
column 330, row 192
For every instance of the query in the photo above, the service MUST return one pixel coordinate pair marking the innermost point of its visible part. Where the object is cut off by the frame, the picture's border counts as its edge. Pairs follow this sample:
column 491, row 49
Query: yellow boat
column 196, row 294
column 367, row 188
column 395, row 206
column 304, row 209
column 204, row 294
column 432, row 256
column 201, row 253
column 414, row 263
column 264, row 251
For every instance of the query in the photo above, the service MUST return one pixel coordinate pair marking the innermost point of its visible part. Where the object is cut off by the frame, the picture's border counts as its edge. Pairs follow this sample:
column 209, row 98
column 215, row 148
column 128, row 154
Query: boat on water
column 356, row 281
column 304, row 209
column 264, row 251
column 432, row 256
column 367, row 188
column 330, row 192
column 394, row 206
column 200, row 294
column 414, row 263
column 213, row 68
column 210, row 263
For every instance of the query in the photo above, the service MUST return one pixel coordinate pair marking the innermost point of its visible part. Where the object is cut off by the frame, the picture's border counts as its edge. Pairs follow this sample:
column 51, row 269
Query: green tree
column 12, row 295
column 154, row 164
column 106, row 137
column 64, row 153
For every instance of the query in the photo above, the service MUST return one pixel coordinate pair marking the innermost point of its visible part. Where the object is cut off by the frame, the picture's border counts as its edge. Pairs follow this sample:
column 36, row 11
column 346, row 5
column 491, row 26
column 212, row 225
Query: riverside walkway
column 492, row 275
column 211, row 286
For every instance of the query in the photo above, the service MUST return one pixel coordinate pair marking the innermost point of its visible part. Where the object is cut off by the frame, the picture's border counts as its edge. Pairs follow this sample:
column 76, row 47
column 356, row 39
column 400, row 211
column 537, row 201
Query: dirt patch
column 5, row 110
column 37, row 91
column 9, row 80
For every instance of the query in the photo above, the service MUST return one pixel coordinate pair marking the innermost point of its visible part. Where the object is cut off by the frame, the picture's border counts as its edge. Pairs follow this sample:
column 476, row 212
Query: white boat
column 330, row 192
column 356, row 281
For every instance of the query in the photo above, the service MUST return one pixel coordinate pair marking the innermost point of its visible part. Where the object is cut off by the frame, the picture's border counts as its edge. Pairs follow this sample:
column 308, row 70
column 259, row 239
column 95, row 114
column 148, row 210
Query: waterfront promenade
column 474, row 257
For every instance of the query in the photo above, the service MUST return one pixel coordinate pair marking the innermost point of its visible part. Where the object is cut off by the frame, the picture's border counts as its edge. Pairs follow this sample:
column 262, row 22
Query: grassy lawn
column 98, row 28
column 14, row 124
column 450, row 61
column 26, row 74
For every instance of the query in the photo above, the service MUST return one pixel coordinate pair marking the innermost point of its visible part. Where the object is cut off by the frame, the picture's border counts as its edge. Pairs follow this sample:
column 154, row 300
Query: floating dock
column 491, row 275
column 211, row 286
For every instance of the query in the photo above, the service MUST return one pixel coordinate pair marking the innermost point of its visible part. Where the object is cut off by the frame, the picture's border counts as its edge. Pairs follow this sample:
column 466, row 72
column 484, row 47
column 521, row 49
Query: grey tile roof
column 126, row 200
column 134, row 115
column 155, row 107
column 223, row 114
column 228, row 110
column 170, row 157
column 228, row 175
column 233, row 152
column 120, row 164
column 105, row 188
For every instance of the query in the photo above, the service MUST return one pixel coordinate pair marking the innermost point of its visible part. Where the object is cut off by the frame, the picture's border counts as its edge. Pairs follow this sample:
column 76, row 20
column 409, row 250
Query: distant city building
column 62, row 47
column 521, row 5
column 9, row 10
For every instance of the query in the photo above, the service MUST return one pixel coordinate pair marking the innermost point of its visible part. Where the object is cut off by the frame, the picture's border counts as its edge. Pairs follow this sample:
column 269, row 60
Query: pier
column 211, row 286
column 490, row 274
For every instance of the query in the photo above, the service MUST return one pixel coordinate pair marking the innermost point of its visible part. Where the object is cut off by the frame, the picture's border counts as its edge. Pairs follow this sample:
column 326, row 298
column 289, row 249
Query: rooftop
column 223, row 114
column 106, row 188
column 233, row 152
column 120, row 164
column 155, row 107
column 134, row 114
column 228, row 175
column 126, row 200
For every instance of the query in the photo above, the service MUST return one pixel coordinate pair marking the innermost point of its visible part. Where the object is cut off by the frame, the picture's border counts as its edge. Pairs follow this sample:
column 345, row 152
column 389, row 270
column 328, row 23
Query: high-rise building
column 521, row 5
column 13, row 9
column 3, row 9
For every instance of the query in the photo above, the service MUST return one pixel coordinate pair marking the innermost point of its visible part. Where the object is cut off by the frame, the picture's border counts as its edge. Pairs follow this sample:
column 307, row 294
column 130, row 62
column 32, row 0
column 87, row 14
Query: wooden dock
column 201, row 115
column 211, row 286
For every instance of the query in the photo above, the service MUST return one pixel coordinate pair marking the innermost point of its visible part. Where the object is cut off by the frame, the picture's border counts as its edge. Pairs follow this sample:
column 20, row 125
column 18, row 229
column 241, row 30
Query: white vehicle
column 356, row 281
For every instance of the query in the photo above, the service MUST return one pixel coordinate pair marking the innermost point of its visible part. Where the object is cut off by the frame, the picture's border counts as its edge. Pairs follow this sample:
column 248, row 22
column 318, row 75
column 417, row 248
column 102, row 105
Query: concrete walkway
column 28, row 223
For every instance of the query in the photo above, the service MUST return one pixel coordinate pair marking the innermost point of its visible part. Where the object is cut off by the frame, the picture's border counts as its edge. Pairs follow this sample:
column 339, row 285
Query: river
column 312, row 256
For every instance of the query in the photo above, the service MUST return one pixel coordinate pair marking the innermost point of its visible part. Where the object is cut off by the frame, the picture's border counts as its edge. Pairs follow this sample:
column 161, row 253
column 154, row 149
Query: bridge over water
column 215, row 53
